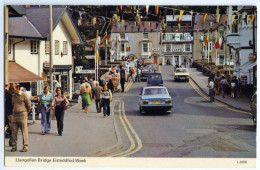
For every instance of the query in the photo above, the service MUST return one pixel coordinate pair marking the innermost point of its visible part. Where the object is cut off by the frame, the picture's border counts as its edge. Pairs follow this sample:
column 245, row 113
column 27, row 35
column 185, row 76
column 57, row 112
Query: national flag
column 156, row 9
column 253, row 17
column 217, row 45
column 115, row 44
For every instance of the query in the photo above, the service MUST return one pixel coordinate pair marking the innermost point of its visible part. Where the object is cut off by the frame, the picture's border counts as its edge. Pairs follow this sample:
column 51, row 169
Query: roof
column 176, row 29
column 210, row 18
column 18, row 9
column 40, row 18
column 129, row 29
column 17, row 73
column 248, row 8
column 22, row 27
column 183, row 18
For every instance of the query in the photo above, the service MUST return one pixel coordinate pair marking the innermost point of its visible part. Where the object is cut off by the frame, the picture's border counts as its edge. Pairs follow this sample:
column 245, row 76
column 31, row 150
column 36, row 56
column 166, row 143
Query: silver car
column 155, row 98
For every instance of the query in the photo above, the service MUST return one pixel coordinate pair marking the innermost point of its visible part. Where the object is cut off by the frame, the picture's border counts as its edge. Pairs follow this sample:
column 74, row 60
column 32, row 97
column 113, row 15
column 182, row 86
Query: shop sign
column 79, row 70
column 128, row 49
column 176, row 50
column 46, row 65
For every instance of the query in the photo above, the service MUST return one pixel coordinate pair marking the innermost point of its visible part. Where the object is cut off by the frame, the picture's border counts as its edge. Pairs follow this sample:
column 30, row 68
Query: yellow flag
column 181, row 13
column 247, row 19
column 179, row 25
column 232, row 19
column 123, row 23
column 97, row 56
column 219, row 18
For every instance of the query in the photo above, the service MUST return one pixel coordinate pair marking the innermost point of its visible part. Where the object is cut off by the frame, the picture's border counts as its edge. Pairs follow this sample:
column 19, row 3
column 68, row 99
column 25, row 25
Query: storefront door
column 64, row 83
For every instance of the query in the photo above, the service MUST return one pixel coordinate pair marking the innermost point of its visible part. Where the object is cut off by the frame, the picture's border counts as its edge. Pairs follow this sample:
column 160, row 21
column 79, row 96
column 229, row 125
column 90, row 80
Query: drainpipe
column 14, row 47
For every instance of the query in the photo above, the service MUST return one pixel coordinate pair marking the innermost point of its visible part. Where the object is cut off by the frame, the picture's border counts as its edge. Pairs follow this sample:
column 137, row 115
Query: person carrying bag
column 106, row 98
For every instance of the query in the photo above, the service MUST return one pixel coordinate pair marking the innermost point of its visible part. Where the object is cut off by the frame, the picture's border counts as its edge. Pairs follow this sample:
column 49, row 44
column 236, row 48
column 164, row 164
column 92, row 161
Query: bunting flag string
column 226, row 16
column 179, row 25
column 123, row 23
column 247, row 19
column 147, row 8
column 150, row 25
column 253, row 17
column 143, row 24
column 204, row 18
column 219, row 16
column 197, row 17
column 181, row 13
column 156, row 9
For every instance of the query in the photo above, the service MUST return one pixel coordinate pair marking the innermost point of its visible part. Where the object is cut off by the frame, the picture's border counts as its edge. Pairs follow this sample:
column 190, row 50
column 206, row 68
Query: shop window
column 34, row 88
column 145, row 48
column 122, row 47
column 34, row 46
column 47, row 47
column 221, row 59
column 65, row 47
column 57, row 47
column 168, row 48
column 187, row 47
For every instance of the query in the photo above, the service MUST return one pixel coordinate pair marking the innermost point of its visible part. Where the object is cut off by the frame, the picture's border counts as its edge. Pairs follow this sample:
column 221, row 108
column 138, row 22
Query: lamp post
column 210, row 26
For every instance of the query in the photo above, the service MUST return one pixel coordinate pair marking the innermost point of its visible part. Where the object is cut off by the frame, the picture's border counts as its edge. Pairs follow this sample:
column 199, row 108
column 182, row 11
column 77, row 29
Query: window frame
column 9, row 46
column 144, row 48
column 47, row 47
column 122, row 36
column 34, row 50
column 169, row 45
column 65, row 50
column 187, row 45
column 57, row 48
column 122, row 50
column 144, row 35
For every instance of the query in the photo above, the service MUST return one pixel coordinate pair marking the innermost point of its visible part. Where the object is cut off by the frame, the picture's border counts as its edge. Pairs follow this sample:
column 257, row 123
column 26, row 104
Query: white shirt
column 233, row 84
column 211, row 84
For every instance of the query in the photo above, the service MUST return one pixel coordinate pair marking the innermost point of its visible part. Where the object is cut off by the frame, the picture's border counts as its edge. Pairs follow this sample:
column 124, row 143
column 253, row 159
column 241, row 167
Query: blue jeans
column 46, row 119
column 133, row 78
column 106, row 107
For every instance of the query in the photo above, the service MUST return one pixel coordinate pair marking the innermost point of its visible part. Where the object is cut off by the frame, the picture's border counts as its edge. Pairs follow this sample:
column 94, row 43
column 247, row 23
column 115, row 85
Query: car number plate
column 157, row 102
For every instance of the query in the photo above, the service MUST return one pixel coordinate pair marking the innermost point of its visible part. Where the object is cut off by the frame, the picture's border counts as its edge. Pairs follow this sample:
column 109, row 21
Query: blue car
column 155, row 79
column 155, row 98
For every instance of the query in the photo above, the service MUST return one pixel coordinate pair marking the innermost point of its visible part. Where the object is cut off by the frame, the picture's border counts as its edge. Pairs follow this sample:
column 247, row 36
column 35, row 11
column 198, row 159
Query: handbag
column 64, row 104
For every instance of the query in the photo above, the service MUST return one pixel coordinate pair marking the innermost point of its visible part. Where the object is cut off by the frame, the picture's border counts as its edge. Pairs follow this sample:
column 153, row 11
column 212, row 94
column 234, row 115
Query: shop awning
column 19, row 74
column 245, row 67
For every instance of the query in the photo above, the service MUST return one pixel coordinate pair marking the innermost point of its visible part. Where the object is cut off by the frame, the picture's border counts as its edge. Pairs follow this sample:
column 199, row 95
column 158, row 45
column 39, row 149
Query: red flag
column 143, row 24
column 115, row 44
column 156, row 9
column 187, row 25
column 206, row 40
column 217, row 45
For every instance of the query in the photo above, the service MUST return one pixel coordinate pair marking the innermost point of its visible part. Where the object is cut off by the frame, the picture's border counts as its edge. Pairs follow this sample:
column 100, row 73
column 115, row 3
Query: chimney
column 217, row 13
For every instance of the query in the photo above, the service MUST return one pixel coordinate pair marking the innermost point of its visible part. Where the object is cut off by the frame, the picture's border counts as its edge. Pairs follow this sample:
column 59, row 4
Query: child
column 233, row 85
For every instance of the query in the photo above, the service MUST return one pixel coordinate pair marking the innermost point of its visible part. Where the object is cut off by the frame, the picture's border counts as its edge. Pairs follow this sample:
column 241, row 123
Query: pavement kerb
column 218, row 99
column 119, row 145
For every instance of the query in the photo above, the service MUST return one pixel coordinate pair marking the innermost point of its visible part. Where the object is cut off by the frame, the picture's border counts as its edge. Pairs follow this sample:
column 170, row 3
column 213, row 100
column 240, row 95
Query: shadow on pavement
column 249, row 128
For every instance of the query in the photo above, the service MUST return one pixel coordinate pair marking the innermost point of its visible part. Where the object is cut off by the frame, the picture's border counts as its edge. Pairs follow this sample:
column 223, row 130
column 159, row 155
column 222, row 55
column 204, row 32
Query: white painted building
column 29, row 45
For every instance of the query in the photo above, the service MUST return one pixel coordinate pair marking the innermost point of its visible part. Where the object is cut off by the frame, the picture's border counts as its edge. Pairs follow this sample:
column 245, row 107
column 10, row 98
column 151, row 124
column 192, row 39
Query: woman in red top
column 59, row 102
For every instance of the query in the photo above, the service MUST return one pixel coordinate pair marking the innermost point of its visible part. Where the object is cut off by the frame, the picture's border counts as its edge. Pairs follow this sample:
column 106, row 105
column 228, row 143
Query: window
column 122, row 47
column 221, row 59
column 187, row 47
column 57, row 47
column 9, row 46
column 122, row 36
column 65, row 47
column 234, row 26
column 145, row 48
column 222, row 46
column 47, row 47
column 145, row 36
column 210, row 46
column 168, row 48
column 34, row 47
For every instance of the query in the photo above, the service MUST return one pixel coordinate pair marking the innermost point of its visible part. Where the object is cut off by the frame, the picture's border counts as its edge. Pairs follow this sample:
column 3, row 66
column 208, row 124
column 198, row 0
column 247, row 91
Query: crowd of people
column 219, row 84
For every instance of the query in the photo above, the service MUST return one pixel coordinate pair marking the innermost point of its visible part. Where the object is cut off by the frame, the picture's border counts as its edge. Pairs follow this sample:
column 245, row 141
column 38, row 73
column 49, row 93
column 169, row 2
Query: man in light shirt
column 211, row 90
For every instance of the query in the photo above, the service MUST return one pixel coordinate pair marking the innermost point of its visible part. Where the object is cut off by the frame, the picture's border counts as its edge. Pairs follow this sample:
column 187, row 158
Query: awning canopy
column 19, row 74
column 245, row 67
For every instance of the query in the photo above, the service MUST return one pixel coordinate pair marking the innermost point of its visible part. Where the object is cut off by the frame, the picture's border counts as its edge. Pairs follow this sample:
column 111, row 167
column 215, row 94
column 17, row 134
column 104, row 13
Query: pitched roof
column 40, row 18
column 129, row 29
column 22, row 27
column 18, row 9
column 210, row 18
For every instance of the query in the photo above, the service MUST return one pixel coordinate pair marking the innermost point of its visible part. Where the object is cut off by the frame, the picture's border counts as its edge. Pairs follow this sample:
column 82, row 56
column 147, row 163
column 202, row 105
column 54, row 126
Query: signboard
column 128, row 49
column 155, row 48
column 79, row 70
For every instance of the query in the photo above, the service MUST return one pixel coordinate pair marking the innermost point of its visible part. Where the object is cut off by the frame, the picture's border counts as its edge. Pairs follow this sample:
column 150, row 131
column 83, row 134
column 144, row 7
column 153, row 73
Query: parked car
column 155, row 79
column 147, row 61
column 254, row 108
column 155, row 98
column 181, row 74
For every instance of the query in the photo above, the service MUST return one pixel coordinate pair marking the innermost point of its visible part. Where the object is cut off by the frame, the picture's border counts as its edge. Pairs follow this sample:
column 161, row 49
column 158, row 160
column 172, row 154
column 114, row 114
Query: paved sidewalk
column 83, row 134
column 202, row 81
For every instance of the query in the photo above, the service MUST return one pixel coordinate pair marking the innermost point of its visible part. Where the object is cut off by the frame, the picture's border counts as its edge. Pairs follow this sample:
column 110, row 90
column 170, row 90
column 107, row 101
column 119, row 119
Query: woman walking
column 87, row 97
column 45, row 108
column 59, row 102
column 224, row 84
column 106, row 98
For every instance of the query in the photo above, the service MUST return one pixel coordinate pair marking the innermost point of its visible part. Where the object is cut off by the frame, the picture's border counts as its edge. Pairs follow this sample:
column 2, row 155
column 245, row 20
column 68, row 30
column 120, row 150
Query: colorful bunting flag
column 219, row 16
column 143, row 24
column 156, row 9
column 147, row 8
column 121, row 7
column 217, row 45
column 191, row 12
column 181, row 13
column 247, row 19
column 97, row 55
column 225, row 19
column 232, row 19
column 197, row 17
column 123, row 23
column 253, row 17
column 204, row 18
column 150, row 25
column 119, row 25
column 179, row 25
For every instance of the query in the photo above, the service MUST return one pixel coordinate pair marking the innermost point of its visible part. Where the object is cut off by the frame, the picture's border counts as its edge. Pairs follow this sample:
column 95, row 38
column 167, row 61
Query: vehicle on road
column 254, row 107
column 147, row 61
column 155, row 98
column 181, row 74
column 155, row 79
column 145, row 72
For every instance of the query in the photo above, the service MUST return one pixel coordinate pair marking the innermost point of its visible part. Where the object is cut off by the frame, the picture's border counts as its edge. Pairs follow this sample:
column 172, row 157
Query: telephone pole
column 51, row 52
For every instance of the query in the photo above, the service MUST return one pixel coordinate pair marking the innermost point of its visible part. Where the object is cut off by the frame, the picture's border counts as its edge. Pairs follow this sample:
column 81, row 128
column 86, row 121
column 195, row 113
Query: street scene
column 136, row 81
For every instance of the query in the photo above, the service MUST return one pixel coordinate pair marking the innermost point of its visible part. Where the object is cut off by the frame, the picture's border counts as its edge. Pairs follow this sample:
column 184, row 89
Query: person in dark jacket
column 110, row 86
column 8, row 112
column 122, row 82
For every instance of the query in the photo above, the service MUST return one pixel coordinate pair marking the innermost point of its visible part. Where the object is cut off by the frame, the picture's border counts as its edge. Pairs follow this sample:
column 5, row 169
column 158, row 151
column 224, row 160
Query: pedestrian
column 8, row 112
column 236, row 86
column 122, row 82
column 106, row 98
column 138, row 73
column 21, row 109
column 59, row 104
column 233, row 88
column 185, row 62
column 45, row 107
column 211, row 90
column 110, row 86
column 97, row 93
column 86, row 98
column 132, row 72
column 217, row 80
column 224, row 84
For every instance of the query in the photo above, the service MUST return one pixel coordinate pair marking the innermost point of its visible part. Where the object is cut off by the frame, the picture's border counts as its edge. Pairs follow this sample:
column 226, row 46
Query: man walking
column 21, row 108
column 211, row 90
column 97, row 92
column 122, row 82
column 8, row 112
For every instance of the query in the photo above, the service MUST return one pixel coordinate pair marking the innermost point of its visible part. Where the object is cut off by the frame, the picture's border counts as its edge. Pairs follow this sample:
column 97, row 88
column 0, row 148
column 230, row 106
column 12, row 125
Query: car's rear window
column 155, row 91
column 181, row 71
column 156, row 76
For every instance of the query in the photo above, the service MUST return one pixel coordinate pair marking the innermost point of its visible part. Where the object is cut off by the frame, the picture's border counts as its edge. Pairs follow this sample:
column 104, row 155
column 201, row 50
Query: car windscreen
column 155, row 91
column 155, row 76
column 181, row 71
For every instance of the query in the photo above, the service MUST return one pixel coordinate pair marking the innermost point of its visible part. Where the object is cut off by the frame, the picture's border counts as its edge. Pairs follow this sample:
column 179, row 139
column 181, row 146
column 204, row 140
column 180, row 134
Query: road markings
column 128, row 86
column 132, row 149
column 202, row 94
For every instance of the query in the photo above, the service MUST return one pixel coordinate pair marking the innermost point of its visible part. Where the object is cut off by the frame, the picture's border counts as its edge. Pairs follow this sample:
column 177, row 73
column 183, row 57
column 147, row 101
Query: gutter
column 14, row 47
